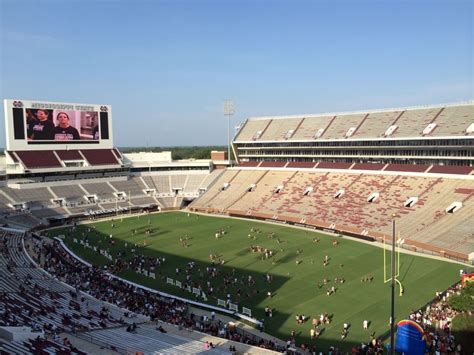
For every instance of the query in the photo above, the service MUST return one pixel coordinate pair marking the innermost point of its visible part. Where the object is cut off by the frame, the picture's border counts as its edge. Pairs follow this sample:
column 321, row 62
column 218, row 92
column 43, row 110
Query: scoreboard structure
column 45, row 137
column 40, row 125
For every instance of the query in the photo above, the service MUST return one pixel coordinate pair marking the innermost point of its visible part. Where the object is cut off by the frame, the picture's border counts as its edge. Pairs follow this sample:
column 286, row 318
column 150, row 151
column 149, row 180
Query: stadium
column 287, row 247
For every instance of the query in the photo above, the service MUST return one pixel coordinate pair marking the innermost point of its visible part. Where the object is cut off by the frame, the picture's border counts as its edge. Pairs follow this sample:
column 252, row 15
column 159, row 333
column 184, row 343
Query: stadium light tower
column 229, row 110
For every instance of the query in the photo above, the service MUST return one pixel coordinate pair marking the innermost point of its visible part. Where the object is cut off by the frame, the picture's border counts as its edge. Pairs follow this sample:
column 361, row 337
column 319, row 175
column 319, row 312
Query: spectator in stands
column 64, row 131
column 40, row 128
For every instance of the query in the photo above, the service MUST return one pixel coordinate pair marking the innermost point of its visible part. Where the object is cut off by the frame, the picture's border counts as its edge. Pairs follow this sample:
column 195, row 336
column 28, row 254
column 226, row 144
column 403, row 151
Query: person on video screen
column 63, row 131
column 95, row 133
column 40, row 128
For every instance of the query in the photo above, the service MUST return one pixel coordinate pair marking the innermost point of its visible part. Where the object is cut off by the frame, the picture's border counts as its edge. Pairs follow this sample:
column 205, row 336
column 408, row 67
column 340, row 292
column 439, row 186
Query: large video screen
column 58, row 125
column 40, row 125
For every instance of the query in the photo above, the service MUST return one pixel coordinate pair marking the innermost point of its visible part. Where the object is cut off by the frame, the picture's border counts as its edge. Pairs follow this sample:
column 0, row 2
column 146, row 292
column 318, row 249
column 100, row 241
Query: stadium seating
column 193, row 183
column 72, row 193
column 448, row 121
column 376, row 124
column 133, row 186
column 100, row 157
column 34, row 297
column 413, row 122
column 39, row 159
column 69, row 155
column 340, row 126
column 453, row 121
column 146, row 339
column 250, row 130
column 364, row 205
column 40, row 194
column 162, row 183
column 310, row 126
column 280, row 129
column 101, row 189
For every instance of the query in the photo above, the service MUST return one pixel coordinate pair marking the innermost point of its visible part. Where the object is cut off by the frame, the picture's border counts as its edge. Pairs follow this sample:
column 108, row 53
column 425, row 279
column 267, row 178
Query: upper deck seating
column 69, row 155
column 251, row 128
column 39, row 159
column 100, row 157
column 413, row 122
column 280, row 129
column 310, row 126
column 376, row 124
column 341, row 125
column 453, row 121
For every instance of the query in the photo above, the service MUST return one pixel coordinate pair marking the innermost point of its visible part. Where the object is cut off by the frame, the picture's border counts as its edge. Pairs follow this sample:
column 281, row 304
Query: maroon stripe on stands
column 330, row 123
column 117, row 154
column 360, row 124
column 367, row 166
column 418, row 168
column 252, row 164
column 100, row 156
column 69, row 155
column 266, row 127
column 297, row 127
column 436, row 116
column 434, row 119
column 39, row 159
column 330, row 165
column 301, row 164
column 398, row 117
column 273, row 164
column 461, row 170
column 13, row 156
column 462, row 190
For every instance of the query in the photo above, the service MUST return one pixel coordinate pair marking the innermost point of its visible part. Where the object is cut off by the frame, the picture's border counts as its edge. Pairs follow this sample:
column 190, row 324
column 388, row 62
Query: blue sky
column 167, row 66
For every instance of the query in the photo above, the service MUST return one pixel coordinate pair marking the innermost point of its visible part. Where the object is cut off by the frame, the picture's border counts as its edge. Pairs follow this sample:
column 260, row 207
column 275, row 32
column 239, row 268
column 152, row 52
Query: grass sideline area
column 295, row 286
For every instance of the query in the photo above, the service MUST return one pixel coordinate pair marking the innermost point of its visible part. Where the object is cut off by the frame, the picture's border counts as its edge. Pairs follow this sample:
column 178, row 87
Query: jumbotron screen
column 52, row 123
column 61, row 125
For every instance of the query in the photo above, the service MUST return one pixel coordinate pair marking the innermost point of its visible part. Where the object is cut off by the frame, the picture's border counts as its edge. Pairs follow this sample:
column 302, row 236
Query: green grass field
column 294, row 286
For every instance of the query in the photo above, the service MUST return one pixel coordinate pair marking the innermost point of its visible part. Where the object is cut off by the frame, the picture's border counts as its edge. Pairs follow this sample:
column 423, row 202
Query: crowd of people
column 436, row 319
column 99, row 284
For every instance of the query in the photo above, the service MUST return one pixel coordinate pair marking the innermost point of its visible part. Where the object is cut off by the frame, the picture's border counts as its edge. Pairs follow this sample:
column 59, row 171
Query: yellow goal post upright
column 386, row 277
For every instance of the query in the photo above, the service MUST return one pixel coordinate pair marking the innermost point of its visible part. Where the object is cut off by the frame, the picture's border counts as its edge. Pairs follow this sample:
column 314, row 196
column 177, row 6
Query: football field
column 293, row 258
